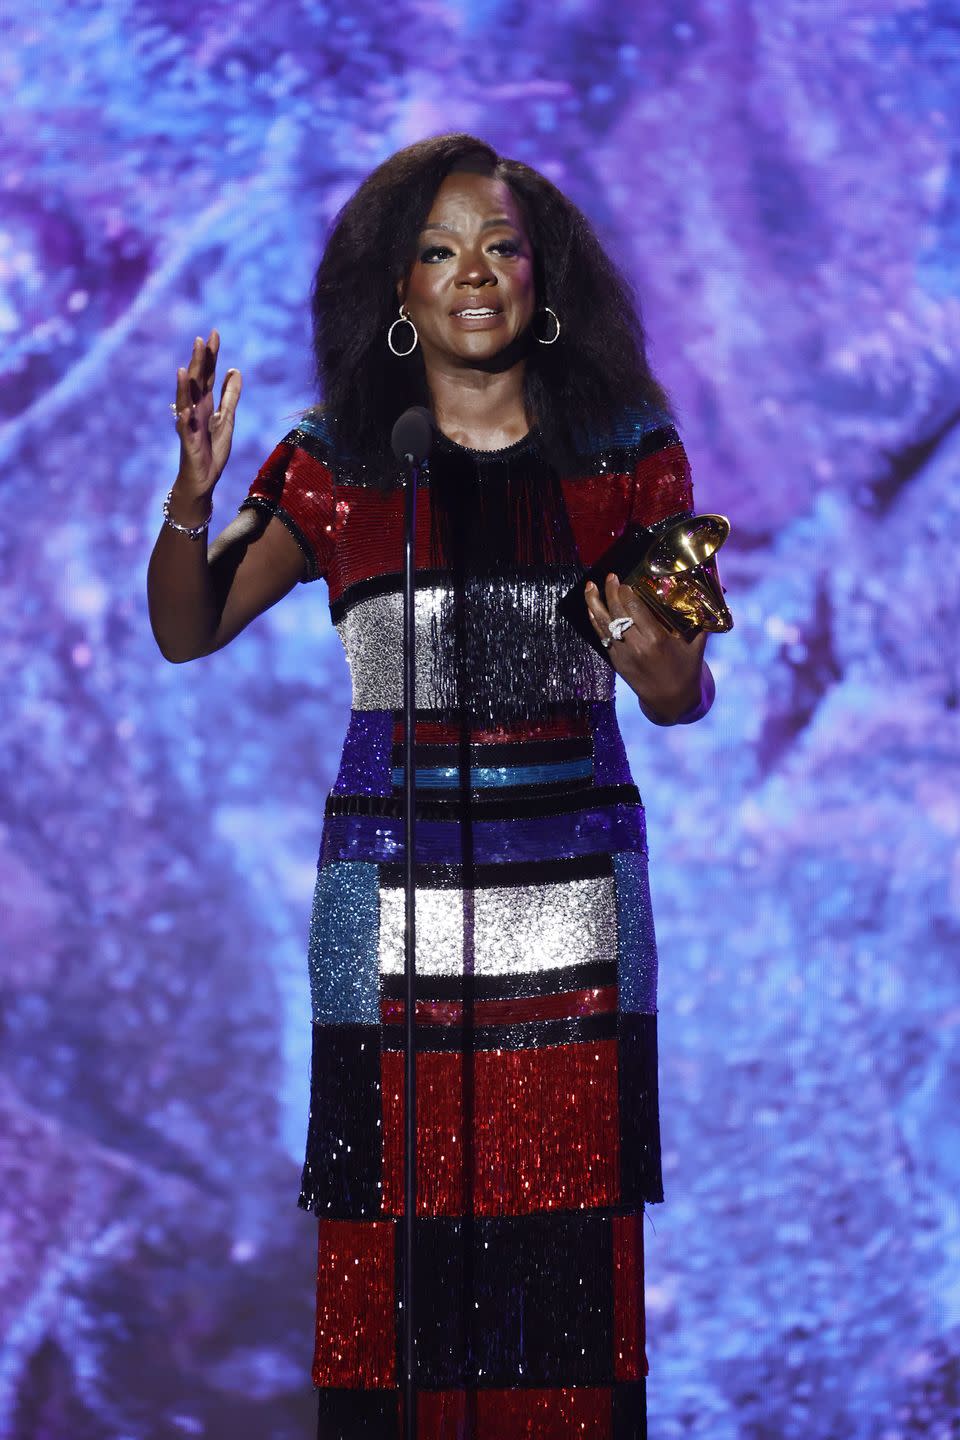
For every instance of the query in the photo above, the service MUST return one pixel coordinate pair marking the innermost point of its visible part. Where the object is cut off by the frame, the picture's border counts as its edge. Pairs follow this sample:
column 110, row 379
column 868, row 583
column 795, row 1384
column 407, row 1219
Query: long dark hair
column 574, row 390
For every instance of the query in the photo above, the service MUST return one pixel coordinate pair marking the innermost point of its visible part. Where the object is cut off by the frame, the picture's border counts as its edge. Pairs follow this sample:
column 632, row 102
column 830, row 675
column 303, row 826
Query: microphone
column 412, row 436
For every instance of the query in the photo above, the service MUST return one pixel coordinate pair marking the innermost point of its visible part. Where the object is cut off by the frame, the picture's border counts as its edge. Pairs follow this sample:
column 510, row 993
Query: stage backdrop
column 782, row 182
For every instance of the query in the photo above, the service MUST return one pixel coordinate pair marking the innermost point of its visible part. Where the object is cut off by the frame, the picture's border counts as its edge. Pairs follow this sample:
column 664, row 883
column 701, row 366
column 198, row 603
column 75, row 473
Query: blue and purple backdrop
column 782, row 182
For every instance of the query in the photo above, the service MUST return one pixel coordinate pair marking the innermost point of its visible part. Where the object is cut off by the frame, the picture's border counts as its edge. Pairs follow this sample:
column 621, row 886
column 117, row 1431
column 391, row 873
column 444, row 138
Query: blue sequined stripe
column 446, row 777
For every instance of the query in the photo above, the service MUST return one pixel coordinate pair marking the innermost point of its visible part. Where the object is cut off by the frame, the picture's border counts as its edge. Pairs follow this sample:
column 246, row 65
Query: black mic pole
column 411, row 440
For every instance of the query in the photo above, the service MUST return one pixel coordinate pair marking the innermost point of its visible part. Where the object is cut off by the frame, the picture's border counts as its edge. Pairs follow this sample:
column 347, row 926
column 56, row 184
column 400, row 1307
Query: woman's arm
column 668, row 674
column 199, row 600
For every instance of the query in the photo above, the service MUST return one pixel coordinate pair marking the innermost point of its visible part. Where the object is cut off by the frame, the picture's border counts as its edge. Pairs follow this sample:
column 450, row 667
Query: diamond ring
column 617, row 627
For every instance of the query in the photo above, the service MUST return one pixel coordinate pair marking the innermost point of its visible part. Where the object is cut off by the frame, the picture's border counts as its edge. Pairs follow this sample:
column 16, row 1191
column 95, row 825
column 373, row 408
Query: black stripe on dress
column 596, row 974
column 522, row 1035
column 477, row 807
column 515, row 872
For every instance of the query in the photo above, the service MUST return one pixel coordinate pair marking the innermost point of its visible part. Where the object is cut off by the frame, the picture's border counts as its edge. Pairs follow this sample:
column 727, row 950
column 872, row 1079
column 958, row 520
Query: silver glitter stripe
column 516, row 929
column 372, row 636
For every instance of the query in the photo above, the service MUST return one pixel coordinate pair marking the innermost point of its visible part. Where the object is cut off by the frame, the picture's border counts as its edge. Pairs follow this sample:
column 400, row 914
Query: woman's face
column 470, row 291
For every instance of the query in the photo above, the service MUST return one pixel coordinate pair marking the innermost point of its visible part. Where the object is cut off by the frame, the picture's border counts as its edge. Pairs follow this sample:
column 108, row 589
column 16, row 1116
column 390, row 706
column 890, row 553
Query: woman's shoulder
column 635, row 432
column 317, row 433
column 641, row 428
column 313, row 431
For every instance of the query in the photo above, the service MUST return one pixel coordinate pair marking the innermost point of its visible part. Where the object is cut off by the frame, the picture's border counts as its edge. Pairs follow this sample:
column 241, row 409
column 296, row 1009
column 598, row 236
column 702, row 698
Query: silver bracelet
column 192, row 531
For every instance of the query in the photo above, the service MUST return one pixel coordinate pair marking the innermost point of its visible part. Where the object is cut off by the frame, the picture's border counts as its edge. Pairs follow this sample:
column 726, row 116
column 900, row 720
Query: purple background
column 782, row 181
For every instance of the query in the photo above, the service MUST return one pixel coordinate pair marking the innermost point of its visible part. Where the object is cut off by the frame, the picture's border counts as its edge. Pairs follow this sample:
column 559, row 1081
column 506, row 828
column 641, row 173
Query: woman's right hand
column 205, row 434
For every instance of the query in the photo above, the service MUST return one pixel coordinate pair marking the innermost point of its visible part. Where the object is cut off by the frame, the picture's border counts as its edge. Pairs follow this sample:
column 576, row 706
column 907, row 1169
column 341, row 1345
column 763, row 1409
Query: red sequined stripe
column 268, row 481
column 662, row 486
column 562, row 727
column 355, row 1335
column 301, row 486
column 544, row 1125
column 601, row 506
column 371, row 542
column 629, row 1327
column 583, row 1411
column 563, row 1006
column 599, row 510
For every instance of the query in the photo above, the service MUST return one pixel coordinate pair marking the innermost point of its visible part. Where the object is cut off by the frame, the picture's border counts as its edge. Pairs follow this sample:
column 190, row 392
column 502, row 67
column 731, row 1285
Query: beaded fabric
column 538, row 1139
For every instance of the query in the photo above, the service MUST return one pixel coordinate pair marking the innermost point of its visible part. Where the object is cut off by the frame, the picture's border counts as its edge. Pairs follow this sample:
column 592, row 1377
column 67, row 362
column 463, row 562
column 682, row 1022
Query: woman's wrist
column 708, row 691
column 187, row 507
column 683, row 709
column 192, row 522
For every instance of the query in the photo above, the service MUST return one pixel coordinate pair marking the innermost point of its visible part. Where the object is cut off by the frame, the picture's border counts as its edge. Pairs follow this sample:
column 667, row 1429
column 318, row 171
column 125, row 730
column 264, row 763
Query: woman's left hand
column 665, row 671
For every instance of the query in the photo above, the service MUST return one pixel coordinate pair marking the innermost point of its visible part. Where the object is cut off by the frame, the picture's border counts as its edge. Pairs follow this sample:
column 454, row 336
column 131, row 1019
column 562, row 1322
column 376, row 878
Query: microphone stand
column 409, row 945
column 411, row 442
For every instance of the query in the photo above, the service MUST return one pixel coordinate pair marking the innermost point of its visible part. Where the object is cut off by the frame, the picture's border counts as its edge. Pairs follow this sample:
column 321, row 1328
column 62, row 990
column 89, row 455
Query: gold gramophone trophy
column 672, row 566
column 676, row 573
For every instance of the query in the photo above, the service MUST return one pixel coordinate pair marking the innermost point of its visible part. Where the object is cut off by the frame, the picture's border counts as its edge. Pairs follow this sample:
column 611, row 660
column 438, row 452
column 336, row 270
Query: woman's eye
column 433, row 253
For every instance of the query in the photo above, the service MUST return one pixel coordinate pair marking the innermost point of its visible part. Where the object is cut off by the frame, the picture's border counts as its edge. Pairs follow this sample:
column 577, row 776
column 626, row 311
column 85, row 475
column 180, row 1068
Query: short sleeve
column 295, row 484
column 662, row 483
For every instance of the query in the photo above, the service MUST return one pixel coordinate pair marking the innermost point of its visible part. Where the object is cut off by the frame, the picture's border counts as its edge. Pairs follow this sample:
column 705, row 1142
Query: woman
column 468, row 283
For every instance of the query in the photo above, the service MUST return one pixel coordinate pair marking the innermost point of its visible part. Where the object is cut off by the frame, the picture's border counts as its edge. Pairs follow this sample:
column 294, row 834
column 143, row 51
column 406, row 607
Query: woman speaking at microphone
column 466, row 283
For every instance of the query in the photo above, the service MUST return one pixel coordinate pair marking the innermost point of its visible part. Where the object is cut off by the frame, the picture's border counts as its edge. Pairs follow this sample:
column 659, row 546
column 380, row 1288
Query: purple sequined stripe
column 610, row 765
column 380, row 838
column 365, row 766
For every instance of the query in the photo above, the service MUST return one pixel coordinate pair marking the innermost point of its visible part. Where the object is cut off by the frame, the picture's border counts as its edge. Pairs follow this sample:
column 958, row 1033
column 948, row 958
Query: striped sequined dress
column 537, row 1112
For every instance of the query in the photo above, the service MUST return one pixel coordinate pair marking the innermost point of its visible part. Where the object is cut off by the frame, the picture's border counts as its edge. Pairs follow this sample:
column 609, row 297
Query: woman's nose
column 474, row 271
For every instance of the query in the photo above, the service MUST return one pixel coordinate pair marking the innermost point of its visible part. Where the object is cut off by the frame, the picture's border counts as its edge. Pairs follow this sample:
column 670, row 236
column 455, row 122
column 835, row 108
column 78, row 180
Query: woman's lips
column 477, row 317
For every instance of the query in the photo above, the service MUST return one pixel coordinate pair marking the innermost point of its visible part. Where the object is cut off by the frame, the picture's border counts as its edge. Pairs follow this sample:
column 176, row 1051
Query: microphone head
column 412, row 435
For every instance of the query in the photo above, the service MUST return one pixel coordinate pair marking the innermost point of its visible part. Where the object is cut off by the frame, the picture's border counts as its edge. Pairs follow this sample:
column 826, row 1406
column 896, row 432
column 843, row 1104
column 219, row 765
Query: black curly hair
column 574, row 390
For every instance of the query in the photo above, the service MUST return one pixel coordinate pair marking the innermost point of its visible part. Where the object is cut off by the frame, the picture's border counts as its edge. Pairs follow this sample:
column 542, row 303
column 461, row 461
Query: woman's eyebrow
column 487, row 225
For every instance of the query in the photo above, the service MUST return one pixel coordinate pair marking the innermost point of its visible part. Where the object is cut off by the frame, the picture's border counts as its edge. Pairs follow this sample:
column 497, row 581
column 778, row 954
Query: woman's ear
column 401, row 289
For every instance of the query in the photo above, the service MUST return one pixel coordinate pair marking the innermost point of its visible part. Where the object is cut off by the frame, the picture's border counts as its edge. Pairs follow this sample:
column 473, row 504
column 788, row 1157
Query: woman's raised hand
column 205, row 434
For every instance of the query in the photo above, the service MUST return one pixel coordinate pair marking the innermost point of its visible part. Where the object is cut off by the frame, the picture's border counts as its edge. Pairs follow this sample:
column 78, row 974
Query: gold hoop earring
column 556, row 333
column 403, row 320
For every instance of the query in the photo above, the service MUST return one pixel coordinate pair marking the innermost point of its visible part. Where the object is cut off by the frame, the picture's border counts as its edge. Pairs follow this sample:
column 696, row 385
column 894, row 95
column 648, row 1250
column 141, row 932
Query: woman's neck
column 477, row 408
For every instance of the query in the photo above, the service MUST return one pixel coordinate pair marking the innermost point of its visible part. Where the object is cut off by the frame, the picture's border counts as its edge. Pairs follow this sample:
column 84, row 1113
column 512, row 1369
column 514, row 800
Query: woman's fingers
column 222, row 417
column 221, row 421
column 207, row 365
column 229, row 393
column 208, row 361
column 195, row 381
column 624, row 600
column 611, row 606
column 185, row 404
column 621, row 601
column 598, row 612
column 188, row 385
column 202, row 366
column 193, row 365
column 611, row 590
column 206, row 433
